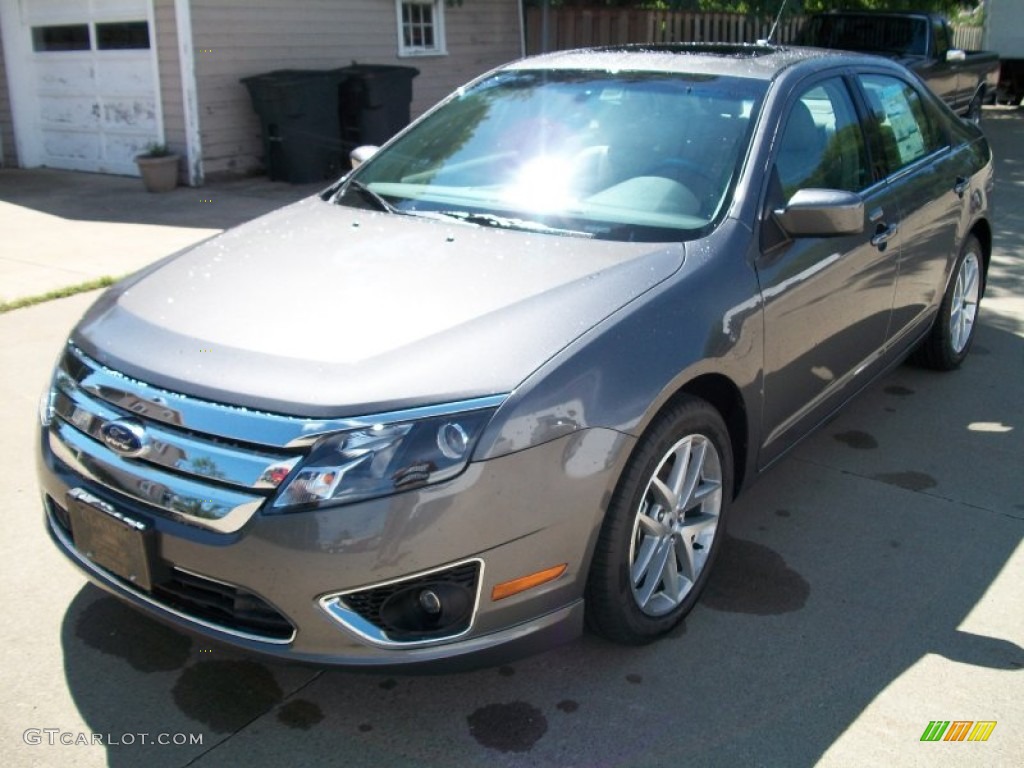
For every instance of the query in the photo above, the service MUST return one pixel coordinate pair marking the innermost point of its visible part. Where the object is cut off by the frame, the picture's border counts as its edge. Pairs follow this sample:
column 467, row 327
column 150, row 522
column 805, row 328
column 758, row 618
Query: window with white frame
column 420, row 27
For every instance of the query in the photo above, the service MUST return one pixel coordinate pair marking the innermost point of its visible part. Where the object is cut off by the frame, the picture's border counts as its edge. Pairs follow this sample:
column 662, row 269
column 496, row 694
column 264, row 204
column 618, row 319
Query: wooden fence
column 556, row 29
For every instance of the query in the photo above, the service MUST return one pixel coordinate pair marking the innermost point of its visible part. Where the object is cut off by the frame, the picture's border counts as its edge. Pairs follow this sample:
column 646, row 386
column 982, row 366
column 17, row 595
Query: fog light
column 430, row 602
column 423, row 611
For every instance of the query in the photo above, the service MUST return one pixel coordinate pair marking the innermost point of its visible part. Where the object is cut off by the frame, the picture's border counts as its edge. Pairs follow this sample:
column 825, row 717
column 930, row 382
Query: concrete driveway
column 870, row 584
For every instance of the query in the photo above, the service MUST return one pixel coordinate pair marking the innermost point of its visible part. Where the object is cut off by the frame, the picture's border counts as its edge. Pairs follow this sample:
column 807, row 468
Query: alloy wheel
column 964, row 307
column 675, row 525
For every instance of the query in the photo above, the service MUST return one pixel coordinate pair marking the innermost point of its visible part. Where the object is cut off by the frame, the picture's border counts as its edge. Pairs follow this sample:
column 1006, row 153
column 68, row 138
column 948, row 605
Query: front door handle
column 962, row 182
column 883, row 235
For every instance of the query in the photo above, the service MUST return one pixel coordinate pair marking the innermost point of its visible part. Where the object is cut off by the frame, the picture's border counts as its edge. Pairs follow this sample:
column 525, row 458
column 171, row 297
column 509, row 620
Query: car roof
column 758, row 61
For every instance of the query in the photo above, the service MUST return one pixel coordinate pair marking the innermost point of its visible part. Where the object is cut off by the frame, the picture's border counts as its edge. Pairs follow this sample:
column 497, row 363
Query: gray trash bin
column 298, row 109
column 374, row 103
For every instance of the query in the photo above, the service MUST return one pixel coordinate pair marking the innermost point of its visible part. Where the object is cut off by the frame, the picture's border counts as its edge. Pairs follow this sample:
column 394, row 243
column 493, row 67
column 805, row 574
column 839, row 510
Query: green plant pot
column 159, row 174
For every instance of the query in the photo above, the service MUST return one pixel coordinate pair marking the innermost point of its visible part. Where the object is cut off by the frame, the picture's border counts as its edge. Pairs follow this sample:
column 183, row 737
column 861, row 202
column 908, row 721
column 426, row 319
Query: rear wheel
column 950, row 338
column 664, row 526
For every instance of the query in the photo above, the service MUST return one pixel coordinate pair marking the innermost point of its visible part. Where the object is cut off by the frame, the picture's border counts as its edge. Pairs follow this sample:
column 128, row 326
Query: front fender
column 703, row 320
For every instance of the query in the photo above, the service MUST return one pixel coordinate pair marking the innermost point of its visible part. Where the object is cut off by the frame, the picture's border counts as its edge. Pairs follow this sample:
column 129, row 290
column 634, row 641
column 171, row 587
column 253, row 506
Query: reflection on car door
column 827, row 300
column 912, row 151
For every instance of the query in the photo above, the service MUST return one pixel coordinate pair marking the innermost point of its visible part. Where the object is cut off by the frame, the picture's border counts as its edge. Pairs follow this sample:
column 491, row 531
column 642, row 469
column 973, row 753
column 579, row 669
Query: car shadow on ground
column 844, row 567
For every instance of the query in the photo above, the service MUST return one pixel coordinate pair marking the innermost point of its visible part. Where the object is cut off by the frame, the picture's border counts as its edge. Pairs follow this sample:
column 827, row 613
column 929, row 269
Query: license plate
column 114, row 541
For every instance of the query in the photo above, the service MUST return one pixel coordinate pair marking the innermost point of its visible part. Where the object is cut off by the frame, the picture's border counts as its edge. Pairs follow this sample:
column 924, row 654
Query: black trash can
column 298, row 109
column 374, row 103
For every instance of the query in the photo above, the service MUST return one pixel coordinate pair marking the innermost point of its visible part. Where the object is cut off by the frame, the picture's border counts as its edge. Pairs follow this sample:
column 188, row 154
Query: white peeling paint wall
column 90, row 109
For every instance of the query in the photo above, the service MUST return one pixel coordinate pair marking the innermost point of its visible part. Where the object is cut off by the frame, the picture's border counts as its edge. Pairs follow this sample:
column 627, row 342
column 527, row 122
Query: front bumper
column 516, row 515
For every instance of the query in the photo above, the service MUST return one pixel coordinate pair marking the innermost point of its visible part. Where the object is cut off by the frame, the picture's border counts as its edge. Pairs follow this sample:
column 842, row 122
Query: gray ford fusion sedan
column 510, row 373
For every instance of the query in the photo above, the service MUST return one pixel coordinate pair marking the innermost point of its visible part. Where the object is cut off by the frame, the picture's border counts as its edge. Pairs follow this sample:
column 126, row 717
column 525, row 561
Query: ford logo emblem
column 126, row 437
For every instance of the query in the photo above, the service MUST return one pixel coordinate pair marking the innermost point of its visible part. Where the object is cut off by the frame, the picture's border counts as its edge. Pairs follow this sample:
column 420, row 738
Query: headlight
column 383, row 459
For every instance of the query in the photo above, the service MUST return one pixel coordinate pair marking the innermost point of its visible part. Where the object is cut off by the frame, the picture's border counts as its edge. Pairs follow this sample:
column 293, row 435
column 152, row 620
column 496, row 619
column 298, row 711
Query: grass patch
column 60, row 293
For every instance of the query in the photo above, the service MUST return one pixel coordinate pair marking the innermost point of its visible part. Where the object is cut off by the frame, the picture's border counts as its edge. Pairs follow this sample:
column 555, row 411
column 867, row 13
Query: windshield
column 622, row 156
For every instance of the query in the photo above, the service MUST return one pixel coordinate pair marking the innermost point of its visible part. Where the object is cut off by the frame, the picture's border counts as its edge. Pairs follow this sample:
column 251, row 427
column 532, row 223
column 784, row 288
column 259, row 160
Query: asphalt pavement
column 870, row 583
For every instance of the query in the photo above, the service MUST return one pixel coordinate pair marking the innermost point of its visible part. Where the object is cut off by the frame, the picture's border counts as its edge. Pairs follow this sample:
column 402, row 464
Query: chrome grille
column 206, row 478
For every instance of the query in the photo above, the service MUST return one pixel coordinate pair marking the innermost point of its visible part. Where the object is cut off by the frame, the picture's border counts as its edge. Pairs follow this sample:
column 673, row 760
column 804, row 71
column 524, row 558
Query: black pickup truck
column 923, row 42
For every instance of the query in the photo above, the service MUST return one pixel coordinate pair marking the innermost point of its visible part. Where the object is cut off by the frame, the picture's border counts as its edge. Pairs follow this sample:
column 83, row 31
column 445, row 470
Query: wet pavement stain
column 912, row 481
column 506, row 671
column 898, row 390
column 634, row 678
column 750, row 578
column 783, row 513
column 300, row 714
column 225, row 695
column 568, row 706
column 854, row 438
column 365, row 727
column 113, row 628
column 512, row 727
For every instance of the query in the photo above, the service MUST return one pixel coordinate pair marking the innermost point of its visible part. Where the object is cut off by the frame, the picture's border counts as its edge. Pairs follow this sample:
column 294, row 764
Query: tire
column 949, row 340
column 664, row 527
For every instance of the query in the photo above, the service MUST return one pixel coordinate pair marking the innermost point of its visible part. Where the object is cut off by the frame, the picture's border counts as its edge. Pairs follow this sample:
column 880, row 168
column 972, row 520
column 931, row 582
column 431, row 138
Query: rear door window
column 900, row 130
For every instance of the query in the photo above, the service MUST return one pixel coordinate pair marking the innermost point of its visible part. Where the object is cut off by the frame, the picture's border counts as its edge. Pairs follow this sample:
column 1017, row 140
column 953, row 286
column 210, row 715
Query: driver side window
column 822, row 144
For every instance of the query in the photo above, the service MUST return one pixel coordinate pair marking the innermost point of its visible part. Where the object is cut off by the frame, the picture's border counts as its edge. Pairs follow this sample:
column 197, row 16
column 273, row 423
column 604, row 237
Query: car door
column 827, row 300
column 912, row 151
column 941, row 75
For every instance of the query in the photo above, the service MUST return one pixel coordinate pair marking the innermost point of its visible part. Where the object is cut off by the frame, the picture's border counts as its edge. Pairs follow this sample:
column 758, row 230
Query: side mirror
column 360, row 155
column 955, row 54
column 822, row 213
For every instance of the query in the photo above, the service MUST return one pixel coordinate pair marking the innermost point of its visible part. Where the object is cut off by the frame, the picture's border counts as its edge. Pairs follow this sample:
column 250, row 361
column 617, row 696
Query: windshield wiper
column 504, row 222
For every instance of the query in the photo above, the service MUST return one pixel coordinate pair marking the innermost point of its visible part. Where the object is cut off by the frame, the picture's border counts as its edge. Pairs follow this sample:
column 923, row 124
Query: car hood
column 323, row 310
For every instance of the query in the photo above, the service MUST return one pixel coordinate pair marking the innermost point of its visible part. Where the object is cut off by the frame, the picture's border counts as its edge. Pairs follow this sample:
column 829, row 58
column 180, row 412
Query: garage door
column 92, row 83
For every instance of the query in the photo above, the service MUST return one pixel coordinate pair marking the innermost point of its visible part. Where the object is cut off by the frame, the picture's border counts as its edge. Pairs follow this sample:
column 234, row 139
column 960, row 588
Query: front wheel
column 950, row 338
column 664, row 526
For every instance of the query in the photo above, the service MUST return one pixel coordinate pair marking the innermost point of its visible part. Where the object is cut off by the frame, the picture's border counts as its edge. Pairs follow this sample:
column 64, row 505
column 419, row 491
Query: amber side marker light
column 523, row 583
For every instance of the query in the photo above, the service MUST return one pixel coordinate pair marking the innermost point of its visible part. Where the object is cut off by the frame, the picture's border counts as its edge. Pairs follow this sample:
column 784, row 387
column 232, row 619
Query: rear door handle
column 962, row 182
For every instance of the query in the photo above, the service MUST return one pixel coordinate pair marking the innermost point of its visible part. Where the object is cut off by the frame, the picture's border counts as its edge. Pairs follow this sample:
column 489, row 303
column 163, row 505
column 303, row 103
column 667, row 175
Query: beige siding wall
column 234, row 40
column 170, row 75
column 482, row 34
column 7, row 149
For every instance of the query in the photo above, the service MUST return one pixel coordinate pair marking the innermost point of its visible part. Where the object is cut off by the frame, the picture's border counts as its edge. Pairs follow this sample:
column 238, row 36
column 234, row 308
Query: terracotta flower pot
column 159, row 174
